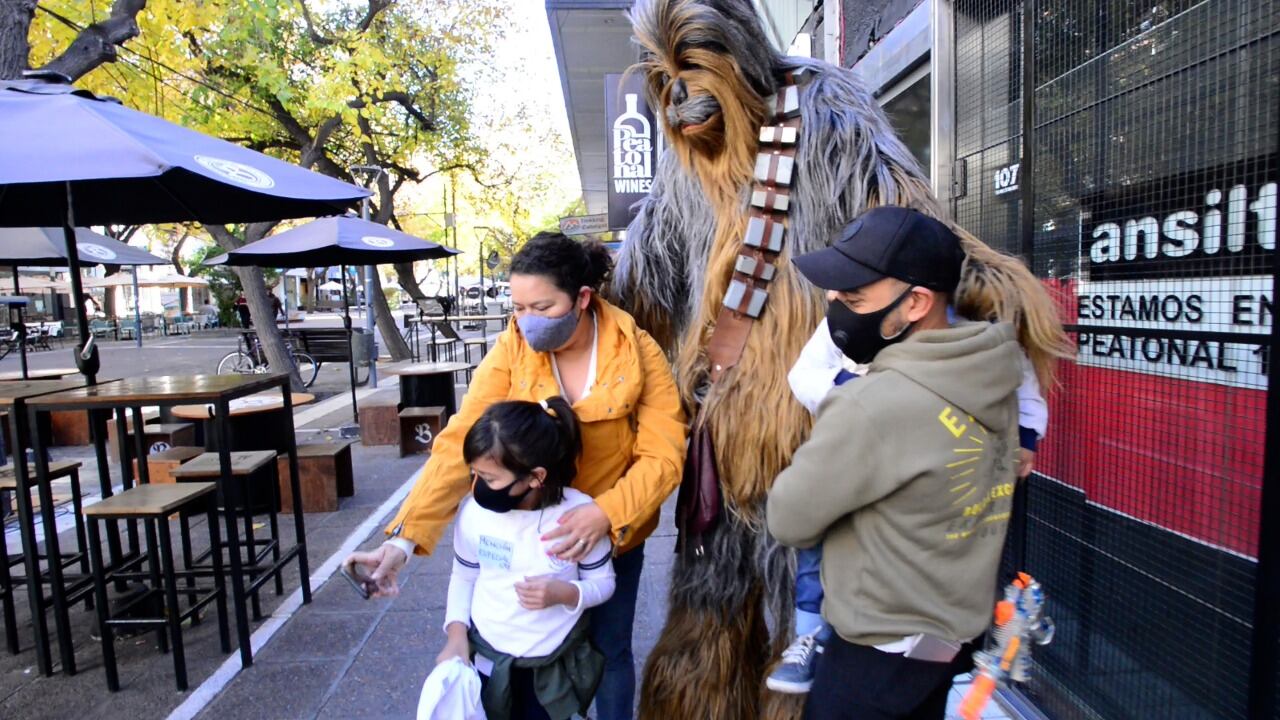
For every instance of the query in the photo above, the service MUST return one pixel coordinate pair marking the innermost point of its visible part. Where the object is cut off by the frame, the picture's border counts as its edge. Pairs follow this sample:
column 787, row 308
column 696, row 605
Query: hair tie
column 547, row 408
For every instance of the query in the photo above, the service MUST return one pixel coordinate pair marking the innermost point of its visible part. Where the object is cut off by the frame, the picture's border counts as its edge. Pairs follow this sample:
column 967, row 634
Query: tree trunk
column 264, row 323
column 254, row 284
column 15, row 24
column 408, row 281
column 396, row 345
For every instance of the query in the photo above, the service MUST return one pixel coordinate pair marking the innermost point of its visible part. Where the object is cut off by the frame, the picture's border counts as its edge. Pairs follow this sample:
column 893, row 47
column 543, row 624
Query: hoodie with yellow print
column 907, row 480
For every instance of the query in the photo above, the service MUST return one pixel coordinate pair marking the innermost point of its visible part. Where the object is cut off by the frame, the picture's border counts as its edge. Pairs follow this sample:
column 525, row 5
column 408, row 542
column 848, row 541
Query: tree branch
column 312, row 33
column 375, row 8
column 97, row 43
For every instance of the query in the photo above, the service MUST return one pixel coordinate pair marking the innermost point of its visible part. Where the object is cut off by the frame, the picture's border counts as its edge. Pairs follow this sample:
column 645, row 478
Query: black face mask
column 499, row 501
column 858, row 334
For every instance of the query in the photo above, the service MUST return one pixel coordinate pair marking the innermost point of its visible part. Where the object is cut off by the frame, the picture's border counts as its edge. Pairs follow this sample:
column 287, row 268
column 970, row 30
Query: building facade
column 1138, row 177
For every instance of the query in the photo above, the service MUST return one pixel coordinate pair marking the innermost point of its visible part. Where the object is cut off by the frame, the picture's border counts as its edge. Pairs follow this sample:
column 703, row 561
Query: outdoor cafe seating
column 124, row 541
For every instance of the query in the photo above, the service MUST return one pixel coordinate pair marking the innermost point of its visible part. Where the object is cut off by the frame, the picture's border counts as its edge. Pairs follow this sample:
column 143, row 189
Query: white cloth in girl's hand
column 451, row 692
column 493, row 551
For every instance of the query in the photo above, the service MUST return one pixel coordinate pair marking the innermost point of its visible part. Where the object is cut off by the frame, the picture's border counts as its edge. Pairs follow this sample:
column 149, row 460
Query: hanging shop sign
column 584, row 224
column 635, row 142
column 1180, row 285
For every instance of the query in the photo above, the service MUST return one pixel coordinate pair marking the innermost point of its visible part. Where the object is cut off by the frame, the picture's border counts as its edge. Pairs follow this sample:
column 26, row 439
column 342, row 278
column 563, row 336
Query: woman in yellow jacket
column 567, row 341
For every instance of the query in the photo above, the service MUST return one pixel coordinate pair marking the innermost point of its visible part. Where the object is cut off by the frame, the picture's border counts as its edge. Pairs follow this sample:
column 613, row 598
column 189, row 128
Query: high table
column 132, row 395
column 427, row 384
column 43, row 374
column 257, row 422
column 15, row 397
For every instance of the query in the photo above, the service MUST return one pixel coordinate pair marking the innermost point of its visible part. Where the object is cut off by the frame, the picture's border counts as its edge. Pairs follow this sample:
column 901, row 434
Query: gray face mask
column 546, row 334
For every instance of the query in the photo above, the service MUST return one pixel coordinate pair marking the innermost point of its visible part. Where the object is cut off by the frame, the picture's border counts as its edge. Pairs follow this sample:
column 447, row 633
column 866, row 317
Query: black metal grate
column 1154, row 223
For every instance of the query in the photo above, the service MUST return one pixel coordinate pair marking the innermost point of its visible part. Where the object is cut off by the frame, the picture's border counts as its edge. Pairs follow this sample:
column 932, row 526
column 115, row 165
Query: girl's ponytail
column 570, row 436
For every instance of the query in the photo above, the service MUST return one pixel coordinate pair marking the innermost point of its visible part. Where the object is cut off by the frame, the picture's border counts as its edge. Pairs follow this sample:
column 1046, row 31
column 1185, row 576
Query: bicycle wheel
column 307, row 366
column 236, row 362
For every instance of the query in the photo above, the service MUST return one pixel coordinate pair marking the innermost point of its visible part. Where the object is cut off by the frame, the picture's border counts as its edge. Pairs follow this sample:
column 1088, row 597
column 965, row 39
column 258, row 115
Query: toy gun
column 1019, row 620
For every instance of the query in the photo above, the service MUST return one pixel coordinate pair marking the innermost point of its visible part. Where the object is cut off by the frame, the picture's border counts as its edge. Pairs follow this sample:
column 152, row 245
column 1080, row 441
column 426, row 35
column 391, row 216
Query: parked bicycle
column 249, row 358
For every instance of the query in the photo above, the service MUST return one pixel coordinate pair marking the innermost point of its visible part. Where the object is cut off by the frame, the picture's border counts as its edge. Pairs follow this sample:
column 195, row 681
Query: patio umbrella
column 77, row 159
column 340, row 240
column 46, row 246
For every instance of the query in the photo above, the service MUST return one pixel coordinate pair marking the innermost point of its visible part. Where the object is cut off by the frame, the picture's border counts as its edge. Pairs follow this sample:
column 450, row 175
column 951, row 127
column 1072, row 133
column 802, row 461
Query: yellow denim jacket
column 633, row 431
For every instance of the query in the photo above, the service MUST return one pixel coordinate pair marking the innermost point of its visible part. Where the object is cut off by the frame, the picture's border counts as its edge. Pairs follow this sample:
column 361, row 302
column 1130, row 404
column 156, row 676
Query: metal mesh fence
column 1154, row 223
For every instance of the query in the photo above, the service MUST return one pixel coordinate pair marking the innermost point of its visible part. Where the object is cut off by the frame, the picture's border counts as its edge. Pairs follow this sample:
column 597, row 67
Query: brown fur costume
column 710, row 72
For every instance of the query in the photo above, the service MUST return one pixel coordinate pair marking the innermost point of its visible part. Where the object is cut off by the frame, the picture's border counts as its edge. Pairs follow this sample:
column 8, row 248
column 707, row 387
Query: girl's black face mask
column 858, row 334
column 499, row 501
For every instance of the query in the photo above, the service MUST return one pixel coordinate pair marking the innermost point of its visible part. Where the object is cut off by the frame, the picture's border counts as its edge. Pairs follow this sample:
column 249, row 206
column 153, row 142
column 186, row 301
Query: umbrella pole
column 137, row 309
column 88, row 365
column 351, row 356
column 22, row 327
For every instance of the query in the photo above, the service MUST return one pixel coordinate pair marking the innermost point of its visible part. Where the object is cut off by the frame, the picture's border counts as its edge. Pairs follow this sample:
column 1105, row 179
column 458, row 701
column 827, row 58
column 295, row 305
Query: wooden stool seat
column 379, row 418
column 156, row 501
column 324, row 475
column 153, row 504
column 208, row 465
column 60, row 469
column 160, row 466
column 419, row 427
column 157, row 437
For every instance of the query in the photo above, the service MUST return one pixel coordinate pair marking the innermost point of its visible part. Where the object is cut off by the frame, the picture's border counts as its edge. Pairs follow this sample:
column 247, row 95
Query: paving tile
column 374, row 687
column 276, row 691
column 316, row 635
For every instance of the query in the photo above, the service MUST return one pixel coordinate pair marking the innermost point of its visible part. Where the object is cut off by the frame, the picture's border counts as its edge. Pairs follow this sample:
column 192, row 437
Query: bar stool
column 153, row 504
column 255, row 489
column 480, row 342
column 8, row 583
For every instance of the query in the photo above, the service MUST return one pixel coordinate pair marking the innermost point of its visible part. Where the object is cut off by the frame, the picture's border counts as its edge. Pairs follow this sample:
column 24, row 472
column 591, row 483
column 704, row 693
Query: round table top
column 42, row 374
column 425, row 368
column 241, row 406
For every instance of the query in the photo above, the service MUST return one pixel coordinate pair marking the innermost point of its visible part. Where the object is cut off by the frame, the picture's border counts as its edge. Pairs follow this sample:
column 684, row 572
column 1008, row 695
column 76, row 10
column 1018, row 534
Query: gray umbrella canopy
column 127, row 167
column 73, row 159
column 338, row 240
column 44, row 247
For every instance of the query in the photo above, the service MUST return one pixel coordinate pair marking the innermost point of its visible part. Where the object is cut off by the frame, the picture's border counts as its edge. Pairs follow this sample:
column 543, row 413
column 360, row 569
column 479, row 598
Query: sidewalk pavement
column 338, row 657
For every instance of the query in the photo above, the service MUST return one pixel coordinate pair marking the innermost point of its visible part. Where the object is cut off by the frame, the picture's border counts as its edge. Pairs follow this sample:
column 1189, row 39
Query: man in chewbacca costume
column 769, row 156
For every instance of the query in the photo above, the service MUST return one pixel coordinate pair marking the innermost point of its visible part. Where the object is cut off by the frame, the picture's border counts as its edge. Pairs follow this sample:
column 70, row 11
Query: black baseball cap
column 887, row 241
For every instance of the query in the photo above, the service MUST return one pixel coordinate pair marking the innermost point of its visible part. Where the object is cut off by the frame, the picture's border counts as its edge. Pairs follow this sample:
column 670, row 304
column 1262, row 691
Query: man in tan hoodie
column 908, row 475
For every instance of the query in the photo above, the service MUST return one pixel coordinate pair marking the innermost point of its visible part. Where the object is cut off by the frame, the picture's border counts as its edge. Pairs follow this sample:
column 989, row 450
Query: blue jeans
column 809, row 592
column 611, row 625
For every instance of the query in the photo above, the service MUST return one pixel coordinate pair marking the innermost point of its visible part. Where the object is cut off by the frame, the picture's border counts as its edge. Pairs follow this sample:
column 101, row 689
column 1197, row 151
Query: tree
column 328, row 87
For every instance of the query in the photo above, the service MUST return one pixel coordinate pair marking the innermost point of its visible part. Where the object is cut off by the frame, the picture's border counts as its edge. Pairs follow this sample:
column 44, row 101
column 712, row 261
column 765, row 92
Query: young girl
column 513, row 604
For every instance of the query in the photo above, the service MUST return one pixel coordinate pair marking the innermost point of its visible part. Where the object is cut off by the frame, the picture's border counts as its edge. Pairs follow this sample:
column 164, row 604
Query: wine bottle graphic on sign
column 632, row 145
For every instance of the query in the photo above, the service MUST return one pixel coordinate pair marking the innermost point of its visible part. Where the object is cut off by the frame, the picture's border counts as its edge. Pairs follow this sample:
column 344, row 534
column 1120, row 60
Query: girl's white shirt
column 494, row 551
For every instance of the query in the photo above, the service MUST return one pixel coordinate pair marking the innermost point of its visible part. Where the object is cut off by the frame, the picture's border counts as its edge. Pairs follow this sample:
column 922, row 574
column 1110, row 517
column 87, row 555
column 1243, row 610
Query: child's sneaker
column 795, row 673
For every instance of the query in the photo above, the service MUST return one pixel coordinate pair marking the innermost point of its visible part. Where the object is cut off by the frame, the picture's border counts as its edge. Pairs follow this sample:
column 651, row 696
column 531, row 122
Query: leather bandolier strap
column 766, row 229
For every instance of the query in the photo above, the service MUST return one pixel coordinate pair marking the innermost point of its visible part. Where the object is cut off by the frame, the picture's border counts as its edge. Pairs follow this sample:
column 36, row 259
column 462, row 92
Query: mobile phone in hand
column 358, row 579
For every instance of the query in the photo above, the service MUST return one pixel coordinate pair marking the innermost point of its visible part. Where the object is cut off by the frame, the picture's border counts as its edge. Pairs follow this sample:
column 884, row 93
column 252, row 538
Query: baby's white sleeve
column 814, row 373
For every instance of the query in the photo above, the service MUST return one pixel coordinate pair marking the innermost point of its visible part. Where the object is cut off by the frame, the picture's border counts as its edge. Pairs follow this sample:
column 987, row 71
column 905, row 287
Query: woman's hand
column 581, row 528
column 457, row 646
column 382, row 565
column 543, row 591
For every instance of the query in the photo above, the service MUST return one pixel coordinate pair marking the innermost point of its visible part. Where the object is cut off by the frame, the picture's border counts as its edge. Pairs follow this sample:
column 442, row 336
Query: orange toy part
column 977, row 697
column 1004, row 612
